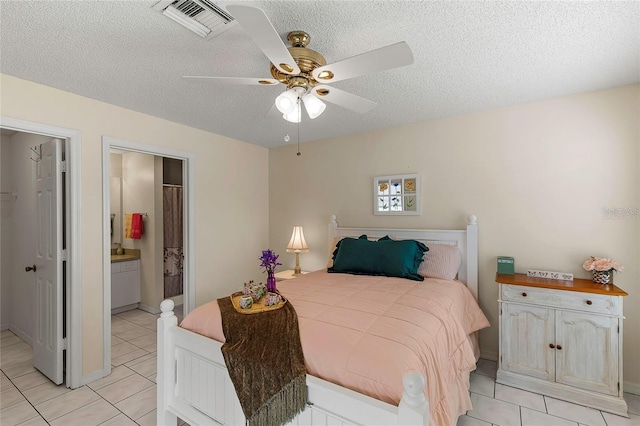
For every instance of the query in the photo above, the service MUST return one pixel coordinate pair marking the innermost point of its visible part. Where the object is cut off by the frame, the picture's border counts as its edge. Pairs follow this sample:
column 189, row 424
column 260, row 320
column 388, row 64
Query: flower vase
column 603, row 277
column 271, row 282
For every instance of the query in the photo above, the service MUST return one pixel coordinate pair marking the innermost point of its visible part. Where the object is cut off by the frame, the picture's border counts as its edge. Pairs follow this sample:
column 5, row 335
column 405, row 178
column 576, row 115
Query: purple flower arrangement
column 269, row 260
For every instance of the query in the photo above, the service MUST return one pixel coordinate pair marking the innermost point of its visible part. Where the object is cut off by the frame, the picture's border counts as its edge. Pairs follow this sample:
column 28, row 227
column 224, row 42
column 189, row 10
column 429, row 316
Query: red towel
column 137, row 226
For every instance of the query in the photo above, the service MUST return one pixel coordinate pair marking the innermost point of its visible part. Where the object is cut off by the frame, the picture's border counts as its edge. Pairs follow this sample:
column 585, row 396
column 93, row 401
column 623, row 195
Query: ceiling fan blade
column 231, row 80
column 344, row 99
column 257, row 25
column 385, row 58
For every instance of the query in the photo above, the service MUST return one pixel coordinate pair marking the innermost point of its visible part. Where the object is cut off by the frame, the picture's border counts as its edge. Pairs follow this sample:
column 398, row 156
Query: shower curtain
column 173, row 251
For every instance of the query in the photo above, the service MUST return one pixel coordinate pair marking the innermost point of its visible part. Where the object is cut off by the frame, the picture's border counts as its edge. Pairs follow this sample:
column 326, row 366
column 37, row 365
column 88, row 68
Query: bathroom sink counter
column 129, row 254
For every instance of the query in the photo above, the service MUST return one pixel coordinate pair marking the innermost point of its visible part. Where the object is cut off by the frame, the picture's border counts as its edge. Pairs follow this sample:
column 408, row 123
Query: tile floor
column 496, row 404
column 128, row 395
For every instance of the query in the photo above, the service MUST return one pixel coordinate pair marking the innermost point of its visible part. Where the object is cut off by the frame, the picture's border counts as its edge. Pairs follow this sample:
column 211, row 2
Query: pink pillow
column 441, row 261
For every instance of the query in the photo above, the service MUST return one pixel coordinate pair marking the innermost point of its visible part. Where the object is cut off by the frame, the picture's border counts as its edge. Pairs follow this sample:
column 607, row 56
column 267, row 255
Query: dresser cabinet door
column 587, row 351
column 528, row 334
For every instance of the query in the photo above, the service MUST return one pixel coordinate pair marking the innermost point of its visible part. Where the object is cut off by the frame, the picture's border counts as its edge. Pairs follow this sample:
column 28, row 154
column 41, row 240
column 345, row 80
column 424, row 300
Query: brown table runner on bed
column 264, row 357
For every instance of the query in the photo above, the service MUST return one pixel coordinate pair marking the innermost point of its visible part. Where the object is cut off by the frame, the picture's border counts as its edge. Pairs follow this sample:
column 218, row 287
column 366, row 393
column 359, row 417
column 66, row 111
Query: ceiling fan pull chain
column 299, row 119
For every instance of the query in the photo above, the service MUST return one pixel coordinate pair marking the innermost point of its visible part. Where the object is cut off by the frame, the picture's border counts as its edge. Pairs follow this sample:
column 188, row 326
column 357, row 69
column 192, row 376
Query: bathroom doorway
column 152, row 185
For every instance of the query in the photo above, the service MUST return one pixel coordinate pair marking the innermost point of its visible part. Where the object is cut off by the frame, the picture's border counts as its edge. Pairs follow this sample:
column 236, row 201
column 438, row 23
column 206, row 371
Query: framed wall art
column 397, row 195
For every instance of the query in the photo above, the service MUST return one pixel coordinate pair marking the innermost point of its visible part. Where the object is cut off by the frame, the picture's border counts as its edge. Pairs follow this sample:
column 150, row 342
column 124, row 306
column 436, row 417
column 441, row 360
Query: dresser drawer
column 588, row 302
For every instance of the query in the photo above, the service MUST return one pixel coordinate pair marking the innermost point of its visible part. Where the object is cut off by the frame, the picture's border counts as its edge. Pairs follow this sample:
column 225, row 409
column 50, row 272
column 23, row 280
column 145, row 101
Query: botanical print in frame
column 396, row 195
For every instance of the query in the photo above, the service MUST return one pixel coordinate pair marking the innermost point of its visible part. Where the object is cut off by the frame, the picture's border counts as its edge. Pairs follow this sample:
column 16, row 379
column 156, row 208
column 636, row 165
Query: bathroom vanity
column 125, row 280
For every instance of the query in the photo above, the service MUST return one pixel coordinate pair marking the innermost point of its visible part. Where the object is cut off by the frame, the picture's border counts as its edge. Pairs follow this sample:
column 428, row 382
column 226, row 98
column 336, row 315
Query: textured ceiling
column 469, row 56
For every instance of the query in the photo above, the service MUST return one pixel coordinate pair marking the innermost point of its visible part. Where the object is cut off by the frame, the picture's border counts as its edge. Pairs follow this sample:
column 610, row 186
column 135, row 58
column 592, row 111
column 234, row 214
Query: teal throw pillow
column 383, row 257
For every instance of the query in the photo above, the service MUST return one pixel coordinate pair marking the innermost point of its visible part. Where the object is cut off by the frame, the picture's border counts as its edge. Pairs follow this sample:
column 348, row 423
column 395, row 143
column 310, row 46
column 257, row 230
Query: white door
column 47, row 342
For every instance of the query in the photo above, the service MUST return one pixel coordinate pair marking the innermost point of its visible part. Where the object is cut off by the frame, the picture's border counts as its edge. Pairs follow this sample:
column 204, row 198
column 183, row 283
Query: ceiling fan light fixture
column 314, row 106
column 293, row 117
column 286, row 101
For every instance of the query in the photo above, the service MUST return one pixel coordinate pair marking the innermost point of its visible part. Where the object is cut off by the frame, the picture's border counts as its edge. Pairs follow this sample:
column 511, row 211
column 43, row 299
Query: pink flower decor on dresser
column 602, row 269
column 602, row 264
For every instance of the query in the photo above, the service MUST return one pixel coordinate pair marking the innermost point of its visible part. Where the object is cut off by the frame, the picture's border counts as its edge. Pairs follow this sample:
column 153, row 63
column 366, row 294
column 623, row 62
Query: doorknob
column 30, row 268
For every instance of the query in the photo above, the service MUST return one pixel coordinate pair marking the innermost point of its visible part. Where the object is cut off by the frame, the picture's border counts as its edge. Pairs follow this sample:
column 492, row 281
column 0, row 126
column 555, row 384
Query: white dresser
column 562, row 339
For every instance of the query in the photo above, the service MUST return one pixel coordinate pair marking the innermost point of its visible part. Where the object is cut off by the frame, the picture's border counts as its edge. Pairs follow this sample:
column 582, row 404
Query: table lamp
column 297, row 245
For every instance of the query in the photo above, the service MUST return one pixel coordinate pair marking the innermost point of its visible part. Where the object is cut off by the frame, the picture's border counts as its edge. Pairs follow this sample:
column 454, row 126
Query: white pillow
column 441, row 261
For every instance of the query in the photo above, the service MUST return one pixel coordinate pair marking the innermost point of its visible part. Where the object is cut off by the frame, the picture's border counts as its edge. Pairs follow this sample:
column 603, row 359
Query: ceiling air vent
column 202, row 17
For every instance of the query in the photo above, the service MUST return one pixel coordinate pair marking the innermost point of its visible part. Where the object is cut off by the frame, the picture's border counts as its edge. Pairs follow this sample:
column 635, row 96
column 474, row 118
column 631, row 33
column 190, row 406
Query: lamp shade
column 297, row 242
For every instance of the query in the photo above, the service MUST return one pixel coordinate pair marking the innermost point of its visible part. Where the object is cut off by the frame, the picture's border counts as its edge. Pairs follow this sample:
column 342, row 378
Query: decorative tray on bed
column 258, row 306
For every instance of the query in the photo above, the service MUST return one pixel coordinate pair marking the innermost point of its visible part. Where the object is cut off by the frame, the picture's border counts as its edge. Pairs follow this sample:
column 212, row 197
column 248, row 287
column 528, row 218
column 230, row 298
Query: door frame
column 73, row 218
column 109, row 143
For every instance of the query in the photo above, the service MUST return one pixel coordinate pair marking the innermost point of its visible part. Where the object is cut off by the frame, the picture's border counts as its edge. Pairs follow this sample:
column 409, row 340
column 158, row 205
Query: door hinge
column 65, row 344
column 618, row 386
column 63, row 166
column 618, row 329
column 63, row 255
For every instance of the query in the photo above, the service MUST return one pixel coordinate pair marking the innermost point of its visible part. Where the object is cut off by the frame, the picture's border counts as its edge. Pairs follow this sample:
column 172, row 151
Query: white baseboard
column 633, row 388
column 21, row 334
column 124, row 308
column 491, row 356
column 149, row 309
column 92, row 377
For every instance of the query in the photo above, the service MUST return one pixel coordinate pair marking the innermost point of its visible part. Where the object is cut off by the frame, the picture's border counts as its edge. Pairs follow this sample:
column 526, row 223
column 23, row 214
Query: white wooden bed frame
column 194, row 385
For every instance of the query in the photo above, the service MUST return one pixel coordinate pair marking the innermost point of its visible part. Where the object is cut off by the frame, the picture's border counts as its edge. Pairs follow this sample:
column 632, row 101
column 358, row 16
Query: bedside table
column 286, row 275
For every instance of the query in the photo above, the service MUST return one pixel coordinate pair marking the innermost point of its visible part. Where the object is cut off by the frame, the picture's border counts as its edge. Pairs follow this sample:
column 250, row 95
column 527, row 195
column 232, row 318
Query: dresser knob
column 524, row 294
column 558, row 347
column 589, row 302
column 552, row 346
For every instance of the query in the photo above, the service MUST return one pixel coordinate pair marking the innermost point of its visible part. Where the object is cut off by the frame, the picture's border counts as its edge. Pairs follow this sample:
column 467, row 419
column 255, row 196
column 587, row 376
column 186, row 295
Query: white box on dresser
column 562, row 339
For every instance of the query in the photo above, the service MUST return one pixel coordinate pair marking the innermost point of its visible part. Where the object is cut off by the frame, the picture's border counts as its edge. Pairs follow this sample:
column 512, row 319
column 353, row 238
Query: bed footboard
column 193, row 384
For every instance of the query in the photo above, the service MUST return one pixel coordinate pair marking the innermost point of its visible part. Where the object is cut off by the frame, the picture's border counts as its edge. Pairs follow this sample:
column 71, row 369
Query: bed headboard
column 465, row 239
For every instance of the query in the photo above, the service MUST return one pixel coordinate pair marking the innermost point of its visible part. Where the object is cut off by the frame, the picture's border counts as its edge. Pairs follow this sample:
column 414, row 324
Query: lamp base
column 297, row 270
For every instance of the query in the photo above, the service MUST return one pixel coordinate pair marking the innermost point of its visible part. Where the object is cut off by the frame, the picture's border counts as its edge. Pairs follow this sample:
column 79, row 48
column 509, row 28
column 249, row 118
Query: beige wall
column 228, row 238
column 537, row 176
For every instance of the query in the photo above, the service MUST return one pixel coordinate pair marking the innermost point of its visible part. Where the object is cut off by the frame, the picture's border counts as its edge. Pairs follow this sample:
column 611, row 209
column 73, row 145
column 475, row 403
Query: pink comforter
column 365, row 332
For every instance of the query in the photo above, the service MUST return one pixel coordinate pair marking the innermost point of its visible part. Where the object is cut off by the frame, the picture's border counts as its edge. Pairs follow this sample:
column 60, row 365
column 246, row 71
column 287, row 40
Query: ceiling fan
column 305, row 71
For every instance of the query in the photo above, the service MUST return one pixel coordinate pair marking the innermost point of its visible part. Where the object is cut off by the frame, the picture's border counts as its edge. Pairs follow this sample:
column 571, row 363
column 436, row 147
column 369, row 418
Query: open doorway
column 139, row 180
column 23, row 160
